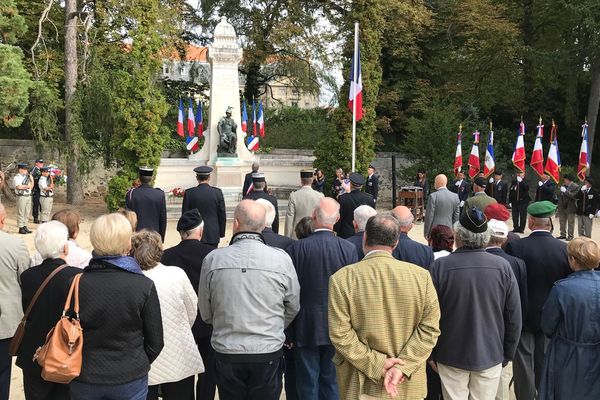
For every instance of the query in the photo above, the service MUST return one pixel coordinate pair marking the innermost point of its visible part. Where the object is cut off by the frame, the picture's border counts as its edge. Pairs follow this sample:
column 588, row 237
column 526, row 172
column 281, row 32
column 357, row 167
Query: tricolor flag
column 489, row 164
column 192, row 143
column 180, row 119
column 458, row 161
column 553, row 161
column 244, row 118
column 252, row 143
column 518, row 157
column 254, row 129
column 261, row 120
column 191, row 123
column 474, row 163
column 584, row 164
column 355, row 94
column 537, row 157
column 199, row 121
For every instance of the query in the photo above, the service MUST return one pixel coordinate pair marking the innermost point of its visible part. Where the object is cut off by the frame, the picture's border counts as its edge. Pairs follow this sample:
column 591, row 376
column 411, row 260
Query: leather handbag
column 17, row 338
column 60, row 357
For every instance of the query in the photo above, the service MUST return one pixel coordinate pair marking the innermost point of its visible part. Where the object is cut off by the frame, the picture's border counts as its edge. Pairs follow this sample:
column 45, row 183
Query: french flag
column 252, row 143
column 254, row 129
column 474, row 156
column 244, row 118
column 518, row 157
column 199, row 121
column 355, row 94
column 261, row 120
column 191, row 123
column 490, row 162
column 458, row 161
column 180, row 119
column 553, row 161
column 191, row 143
column 583, row 165
column 537, row 157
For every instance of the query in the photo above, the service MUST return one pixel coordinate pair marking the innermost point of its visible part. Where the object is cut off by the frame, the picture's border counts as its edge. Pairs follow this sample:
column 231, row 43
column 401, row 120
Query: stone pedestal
column 229, row 172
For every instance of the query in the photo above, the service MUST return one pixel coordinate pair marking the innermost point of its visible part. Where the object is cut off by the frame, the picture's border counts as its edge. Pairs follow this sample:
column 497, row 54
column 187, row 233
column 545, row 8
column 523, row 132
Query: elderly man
column 350, row 202
column 481, row 313
column 259, row 184
column 461, row 187
column 302, row 203
column 442, row 206
column 249, row 292
column 189, row 255
column 361, row 216
column 14, row 259
column 407, row 249
column 247, row 187
column 500, row 212
column 546, row 262
column 271, row 238
column 316, row 258
column 545, row 189
column 567, row 206
column 364, row 334
column 518, row 198
column 497, row 188
column 479, row 199
column 588, row 203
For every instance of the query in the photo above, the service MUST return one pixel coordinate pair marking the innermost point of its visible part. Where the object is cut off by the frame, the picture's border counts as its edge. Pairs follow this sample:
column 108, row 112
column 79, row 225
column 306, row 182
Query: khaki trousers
column 46, row 208
column 504, row 385
column 460, row 384
column 23, row 210
column 584, row 225
column 567, row 224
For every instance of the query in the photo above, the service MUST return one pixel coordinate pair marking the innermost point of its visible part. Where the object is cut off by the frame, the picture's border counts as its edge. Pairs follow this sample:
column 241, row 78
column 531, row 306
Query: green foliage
column 12, row 25
column 295, row 128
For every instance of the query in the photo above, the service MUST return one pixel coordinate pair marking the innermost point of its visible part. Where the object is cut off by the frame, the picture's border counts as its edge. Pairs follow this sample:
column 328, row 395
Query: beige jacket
column 302, row 204
column 14, row 259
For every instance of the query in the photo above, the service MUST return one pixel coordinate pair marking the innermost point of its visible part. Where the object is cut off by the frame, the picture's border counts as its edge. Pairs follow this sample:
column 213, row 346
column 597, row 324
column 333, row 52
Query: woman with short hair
column 120, row 318
column 51, row 243
column 571, row 319
column 175, row 368
column 441, row 241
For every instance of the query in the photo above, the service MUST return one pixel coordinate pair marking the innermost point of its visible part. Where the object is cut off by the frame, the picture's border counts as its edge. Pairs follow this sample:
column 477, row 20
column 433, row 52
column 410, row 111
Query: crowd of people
column 343, row 305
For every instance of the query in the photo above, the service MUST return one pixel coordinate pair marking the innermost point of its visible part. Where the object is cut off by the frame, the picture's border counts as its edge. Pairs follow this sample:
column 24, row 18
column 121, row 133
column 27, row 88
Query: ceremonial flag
column 553, row 161
column 474, row 163
column 458, row 161
column 180, row 119
column 199, row 121
column 252, row 143
column 518, row 157
column 191, row 123
column 584, row 165
column 261, row 120
column 537, row 157
column 489, row 165
column 254, row 129
column 244, row 118
column 356, row 86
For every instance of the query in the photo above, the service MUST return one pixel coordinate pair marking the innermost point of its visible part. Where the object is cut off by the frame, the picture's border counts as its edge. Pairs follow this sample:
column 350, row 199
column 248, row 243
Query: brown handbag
column 60, row 357
column 17, row 338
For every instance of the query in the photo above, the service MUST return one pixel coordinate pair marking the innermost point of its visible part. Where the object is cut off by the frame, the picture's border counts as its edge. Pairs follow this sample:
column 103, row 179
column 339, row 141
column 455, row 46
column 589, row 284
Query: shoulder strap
column 40, row 290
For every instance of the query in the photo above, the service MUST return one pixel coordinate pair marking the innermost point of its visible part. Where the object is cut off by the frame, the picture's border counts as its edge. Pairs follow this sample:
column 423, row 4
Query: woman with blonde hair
column 571, row 319
column 175, row 368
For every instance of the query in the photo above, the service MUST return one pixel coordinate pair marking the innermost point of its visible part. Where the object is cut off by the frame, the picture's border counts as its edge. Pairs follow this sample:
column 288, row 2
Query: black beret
column 189, row 220
column 474, row 220
column 146, row 171
column 480, row 181
column 357, row 179
column 203, row 170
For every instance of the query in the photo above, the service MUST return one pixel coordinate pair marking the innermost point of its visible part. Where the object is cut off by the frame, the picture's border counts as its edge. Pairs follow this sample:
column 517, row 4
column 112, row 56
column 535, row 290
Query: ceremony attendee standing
column 372, row 186
column 479, row 199
column 422, row 182
column 46, row 186
column 497, row 188
column 349, row 202
column 588, row 203
column 545, row 189
column 14, row 259
column 518, row 199
column 570, row 320
column 189, row 255
column 336, row 187
column 23, row 186
column 567, row 206
column 361, row 216
column 302, row 203
column 259, row 184
column 365, row 334
column 210, row 202
column 36, row 173
column 247, row 187
column 319, row 181
column 442, row 206
column 304, row 228
column 149, row 204
column 500, row 212
column 271, row 238
column 407, row 249
column 316, row 258
column 249, row 292
column 461, row 187
column 441, row 241
column 546, row 262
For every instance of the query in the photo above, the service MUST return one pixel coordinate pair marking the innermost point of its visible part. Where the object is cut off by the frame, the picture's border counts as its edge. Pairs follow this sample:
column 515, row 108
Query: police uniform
column 46, row 188
column 211, row 204
column 350, row 202
column 36, row 173
column 261, row 194
column 23, row 178
column 149, row 205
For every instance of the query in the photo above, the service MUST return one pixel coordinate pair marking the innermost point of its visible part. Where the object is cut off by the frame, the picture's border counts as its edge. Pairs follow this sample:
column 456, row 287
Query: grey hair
column 327, row 219
column 466, row 238
column 186, row 234
column 362, row 215
column 50, row 239
column 406, row 222
column 269, row 210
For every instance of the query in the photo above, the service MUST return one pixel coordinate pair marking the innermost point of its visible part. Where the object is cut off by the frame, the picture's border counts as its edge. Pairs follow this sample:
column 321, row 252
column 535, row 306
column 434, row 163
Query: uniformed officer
column 36, row 173
column 302, row 202
column 259, row 184
column 497, row 188
column 23, row 187
column 211, row 204
column 46, row 186
column 372, row 186
column 350, row 202
column 148, row 203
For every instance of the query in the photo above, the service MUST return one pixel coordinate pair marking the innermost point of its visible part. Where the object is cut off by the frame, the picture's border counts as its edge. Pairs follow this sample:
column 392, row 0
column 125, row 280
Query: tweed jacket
column 364, row 333
column 14, row 259
column 302, row 204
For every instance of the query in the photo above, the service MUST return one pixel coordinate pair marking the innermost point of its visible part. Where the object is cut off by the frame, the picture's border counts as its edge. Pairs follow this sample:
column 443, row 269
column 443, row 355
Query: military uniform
column 211, row 204
column 36, row 173
column 461, row 188
column 519, row 198
column 302, row 203
column 498, row 189
column 545, row 191
column 23, row 178
column 588, row 203
column 350, row 202
column 46, row 187
column 372, row 186
column 149, row 205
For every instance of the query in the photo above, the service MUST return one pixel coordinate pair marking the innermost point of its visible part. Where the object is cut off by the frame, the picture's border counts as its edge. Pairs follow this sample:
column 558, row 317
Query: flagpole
column 353, row 88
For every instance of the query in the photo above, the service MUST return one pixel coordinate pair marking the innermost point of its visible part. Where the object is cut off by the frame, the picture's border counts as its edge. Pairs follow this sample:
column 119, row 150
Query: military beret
column 22, row 166
column 146, row 171
column 306, row 173
column 189, row 220
column 203, row 170
column 39, row 160
column 371, row 166
column 541, row 209
column 473, row 220
column 497, row 211
column 357, row 179
column 44, row 169
column 258, row 177
column 480, row 181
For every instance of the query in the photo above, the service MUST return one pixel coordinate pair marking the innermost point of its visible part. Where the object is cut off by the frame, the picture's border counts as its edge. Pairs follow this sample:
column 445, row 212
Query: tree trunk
column 593, row 104
column 527, row 28
column 74, row 183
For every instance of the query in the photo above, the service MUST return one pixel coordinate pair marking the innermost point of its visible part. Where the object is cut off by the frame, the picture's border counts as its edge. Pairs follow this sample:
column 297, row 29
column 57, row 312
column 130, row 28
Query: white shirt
column 43, row 184
column 18, row 179
column 440, row 254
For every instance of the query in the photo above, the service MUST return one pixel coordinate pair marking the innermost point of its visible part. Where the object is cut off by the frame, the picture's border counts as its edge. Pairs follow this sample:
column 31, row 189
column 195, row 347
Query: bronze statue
column 227, row 133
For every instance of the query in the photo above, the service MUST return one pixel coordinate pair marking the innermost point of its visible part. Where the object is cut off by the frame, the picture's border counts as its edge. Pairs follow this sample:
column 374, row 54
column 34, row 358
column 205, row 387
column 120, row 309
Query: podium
column 412, row 197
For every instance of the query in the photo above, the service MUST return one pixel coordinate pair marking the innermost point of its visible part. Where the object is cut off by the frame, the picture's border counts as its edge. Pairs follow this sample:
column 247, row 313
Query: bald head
column 440, row 181
column 249, row 216
column 2, row 216
column 326, row 214
column 405, row 217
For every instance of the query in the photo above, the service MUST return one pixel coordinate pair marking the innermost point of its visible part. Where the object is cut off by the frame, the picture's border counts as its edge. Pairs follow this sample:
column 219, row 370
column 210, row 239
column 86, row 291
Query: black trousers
column 207, row 384
column 290, row 374
column 38, row 389
column 249, row 381
column 181, row 390
column 5, row 368
column 434, row 384
column 36, row 204
column 519, row 215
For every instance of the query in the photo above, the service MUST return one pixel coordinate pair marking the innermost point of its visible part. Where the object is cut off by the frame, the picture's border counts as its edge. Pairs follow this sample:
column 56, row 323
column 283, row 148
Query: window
column 166, row 69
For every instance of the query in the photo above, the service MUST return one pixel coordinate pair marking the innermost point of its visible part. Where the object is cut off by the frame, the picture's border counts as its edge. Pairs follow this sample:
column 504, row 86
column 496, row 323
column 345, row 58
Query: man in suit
column 479, row 199
column 302, row 203
column 567, row 206
column 189, row 255
column 461, row 187
column 350, row 202
column 36, row 173
column 407, row 249
column 372, row 186
column 588, row 203
column 211, row 204
column 316, row 258
column 546, row 262
column 257, row 191
column 361, row 216
column 14, row 259
column 497, row 188
column 148, row 203
column 248, row 179
column 271, row 238
column 442, row 206
column 545, row 189
column 518, row 199
column 365, row 334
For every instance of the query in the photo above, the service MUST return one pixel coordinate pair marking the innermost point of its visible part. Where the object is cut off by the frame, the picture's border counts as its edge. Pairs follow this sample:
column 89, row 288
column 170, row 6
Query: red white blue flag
column 355, row 94
column 199, row 121
column 553, row 160
column 518, row 157
column 191, row 123
column 474, row 162
column 252, row 143
column 191, row 143
column 584, row 164
column 261, row 120
column 537, row 157
column 458, row 161
column 254, row 128
column 180, row 119
column 244, row 118
column 489, row 165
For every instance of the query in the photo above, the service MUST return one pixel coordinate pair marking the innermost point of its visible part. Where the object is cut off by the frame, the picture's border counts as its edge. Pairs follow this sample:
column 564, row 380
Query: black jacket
column 121, row 322
column 261, row 194
column 546, row 191
column 150, row 206
column 546, row 262
column 211, row 204
column 348, row 203
column 588, row 202
column 519, row 192
column 275, row 240
column 413, row 252
column 372, row 186
column 189, row 255
column 498, row 191
column 461, row 190
column 47, row 310
column 247, row 183
column 357, row 241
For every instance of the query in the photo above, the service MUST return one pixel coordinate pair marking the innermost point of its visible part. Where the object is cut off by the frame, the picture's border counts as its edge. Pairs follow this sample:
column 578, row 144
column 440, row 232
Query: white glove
column 519, row 179
column 491, row 180
column 509, row 205
column 563, row 189
column 540, row 183
column 584, row 188
column 591, row 216
column 598, row 214
column 457, row 183
column 462, row 203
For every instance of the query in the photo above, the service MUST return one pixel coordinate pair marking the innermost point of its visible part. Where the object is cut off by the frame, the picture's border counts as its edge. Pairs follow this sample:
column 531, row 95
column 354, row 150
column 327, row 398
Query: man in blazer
column 365, row 334
column 248, row 179
column 372, row 186
column 567, row 206
column 350, row 202
column 480, row 199
column 361, row 216
column 148, row 203
column 461, row 187
column 497, row 188
column 545, row 189
column 271, row 238
column 518, row 199
column 407, row 249
column 442, row 206
column 302, row 203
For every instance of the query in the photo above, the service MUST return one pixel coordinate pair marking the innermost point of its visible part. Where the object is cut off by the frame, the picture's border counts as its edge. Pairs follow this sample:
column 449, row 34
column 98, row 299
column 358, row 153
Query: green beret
column 541, row 209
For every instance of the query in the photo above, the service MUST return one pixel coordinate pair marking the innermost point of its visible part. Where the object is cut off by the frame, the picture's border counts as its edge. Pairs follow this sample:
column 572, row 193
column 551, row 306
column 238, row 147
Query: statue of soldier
column 227, row 133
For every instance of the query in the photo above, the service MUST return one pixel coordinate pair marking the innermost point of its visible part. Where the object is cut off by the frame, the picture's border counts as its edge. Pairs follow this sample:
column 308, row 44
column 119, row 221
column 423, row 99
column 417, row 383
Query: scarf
column 125, row 263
